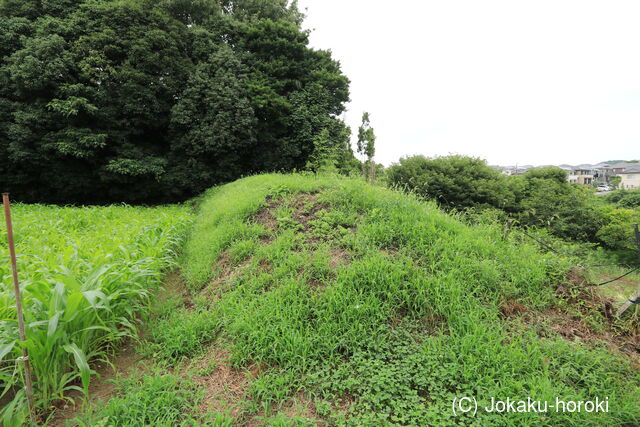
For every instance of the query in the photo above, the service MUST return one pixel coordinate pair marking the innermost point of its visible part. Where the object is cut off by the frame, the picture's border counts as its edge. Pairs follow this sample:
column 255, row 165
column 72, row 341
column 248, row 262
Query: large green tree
column 140, row 100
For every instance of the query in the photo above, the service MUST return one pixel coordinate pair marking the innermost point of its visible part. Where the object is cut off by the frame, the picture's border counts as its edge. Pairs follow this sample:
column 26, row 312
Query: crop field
column 86, row 274
column 313, row 300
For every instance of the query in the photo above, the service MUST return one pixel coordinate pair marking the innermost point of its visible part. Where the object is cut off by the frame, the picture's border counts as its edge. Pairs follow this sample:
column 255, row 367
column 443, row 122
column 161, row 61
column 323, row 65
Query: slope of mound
column 361, row 305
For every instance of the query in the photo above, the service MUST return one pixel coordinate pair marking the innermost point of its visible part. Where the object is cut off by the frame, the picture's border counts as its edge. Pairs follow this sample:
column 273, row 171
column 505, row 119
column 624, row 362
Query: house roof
column 635, row 168
column 622, row 165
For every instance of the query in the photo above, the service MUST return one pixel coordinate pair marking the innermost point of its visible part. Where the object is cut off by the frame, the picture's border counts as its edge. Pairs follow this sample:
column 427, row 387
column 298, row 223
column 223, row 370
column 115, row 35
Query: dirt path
column 101, row 386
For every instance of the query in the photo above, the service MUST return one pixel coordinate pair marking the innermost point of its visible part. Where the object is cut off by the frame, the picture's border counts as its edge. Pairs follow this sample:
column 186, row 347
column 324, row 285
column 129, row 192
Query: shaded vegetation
column 625, row 198
column 152, row 101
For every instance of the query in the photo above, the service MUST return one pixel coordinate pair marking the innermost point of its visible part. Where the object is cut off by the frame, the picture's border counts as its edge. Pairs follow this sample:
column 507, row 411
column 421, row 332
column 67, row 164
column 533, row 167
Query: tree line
column 155, row 101
column 541, row 198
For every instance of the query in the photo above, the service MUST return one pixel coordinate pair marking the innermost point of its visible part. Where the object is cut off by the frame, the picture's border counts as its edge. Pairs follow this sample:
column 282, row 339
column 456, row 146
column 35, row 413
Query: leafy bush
column 539, row 198
column 453, row 181
column 547, row 200
column 549, row 173
column 617, row 232
column 625, row 198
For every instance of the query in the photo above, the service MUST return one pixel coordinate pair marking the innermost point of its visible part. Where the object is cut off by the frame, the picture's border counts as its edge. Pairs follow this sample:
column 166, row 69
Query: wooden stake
column 637, row 239
column 16, row 287
column 627, row 304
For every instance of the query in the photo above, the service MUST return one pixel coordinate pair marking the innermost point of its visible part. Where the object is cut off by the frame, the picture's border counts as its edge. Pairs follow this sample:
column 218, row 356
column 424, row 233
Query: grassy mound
column 374, row 308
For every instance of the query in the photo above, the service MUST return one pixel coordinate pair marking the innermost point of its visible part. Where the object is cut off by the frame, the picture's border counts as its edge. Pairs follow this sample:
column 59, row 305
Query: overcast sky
column 526, row 82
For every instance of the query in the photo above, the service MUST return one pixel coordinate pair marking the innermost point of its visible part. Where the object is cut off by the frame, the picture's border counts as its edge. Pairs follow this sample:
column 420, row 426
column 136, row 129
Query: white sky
column 514, row 81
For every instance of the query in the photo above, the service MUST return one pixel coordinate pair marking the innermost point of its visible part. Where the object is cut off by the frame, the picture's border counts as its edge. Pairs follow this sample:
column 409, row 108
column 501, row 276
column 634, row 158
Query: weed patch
column 183, row 332
column 381, row 309
column 152, row 399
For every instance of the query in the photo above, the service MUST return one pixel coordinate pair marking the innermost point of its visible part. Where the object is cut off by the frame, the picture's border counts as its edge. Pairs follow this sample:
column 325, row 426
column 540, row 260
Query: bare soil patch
column 305, row 209
column 225, row 387
column 339, row 257
column 226, row 272
column 511, row 307
column 174, row 285
column 574, row 328
column 300, row 406
column 572, row 322
column 265, row 216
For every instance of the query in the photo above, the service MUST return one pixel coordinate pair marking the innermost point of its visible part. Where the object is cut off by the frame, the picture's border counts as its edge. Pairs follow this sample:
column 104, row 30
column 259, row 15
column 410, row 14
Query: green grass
column 408, row 320
column 182, row 332
column 358, row 304
column 154, row 399
column 85, row 273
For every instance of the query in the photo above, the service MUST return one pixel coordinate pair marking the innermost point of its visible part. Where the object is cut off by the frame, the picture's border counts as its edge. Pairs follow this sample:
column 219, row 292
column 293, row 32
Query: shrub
column 617, row 233
column 541, row 197
column 453, row 181
column 548, row 200
column 625, row 198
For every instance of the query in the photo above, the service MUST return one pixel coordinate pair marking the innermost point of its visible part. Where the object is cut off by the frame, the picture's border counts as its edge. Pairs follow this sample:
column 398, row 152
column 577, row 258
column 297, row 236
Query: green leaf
column 53, row 325
column 81, row 362
column 6, row 348
column 73, row 301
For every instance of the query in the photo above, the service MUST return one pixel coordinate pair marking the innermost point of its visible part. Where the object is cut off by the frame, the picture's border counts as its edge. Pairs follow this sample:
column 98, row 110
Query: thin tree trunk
column 372, row 171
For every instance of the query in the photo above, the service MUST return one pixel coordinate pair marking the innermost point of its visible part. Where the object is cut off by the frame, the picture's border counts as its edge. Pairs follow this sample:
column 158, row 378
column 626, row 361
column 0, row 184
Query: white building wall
column 630, row 181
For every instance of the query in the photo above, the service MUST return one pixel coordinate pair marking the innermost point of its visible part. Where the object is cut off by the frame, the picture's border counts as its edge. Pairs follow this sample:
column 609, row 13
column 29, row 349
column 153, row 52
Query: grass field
column 86, row 273
column 315, row 300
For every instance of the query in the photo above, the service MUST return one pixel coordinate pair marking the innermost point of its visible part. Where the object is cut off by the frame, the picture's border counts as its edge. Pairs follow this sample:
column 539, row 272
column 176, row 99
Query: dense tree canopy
column 140, row 100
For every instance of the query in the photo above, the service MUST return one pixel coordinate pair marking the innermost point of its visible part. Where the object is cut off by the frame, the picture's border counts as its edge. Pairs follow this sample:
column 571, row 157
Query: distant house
column 620, row 167
column 511, row 170
column 603, row 173
column 630, row 177
column 583, row 175
column 571, row 177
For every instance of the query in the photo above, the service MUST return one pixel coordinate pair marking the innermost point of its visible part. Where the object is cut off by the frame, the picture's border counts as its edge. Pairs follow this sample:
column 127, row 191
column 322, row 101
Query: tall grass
column 411, row 320
column 85, row 273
